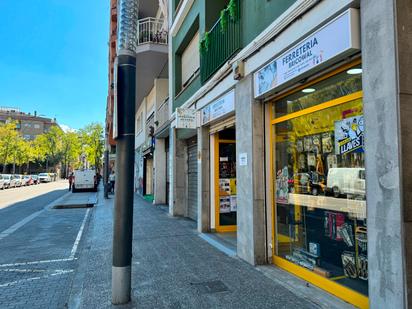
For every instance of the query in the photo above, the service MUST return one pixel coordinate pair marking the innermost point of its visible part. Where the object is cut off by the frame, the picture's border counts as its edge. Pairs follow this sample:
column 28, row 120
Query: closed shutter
column 190, row 59
column 192, row 181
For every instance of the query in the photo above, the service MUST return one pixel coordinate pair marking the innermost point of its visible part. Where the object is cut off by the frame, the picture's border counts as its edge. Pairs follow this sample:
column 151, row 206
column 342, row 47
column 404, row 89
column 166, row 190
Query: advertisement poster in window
column 349, row 135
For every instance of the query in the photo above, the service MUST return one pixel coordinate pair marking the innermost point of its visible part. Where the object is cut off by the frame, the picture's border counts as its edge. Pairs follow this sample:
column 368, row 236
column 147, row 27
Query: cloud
column 66, row 128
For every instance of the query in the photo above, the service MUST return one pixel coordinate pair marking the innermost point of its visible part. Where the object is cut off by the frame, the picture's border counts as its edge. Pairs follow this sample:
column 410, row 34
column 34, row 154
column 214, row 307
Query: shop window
column 319, row 181
column 226, row 181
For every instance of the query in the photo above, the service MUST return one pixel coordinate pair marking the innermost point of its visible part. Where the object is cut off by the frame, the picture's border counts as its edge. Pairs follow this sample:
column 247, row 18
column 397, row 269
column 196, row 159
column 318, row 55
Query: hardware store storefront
column 317, row 161
column 318, row 177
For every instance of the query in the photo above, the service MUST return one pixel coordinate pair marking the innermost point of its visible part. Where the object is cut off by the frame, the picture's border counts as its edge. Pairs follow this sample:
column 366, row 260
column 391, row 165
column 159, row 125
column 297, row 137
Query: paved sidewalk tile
column 172, row 268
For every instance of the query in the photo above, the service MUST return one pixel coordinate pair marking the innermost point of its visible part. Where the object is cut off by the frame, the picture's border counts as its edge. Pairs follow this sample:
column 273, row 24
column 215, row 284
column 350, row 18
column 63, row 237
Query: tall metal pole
column 123, row 215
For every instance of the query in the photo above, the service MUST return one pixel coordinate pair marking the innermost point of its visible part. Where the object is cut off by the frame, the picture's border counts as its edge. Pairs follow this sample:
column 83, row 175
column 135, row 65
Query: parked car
column 35, row 179
column 84, row 180
column 348, row 181
column 19, row 180
column 44, row 177
column 9, row 181
column 28, row 180
column 1, row 182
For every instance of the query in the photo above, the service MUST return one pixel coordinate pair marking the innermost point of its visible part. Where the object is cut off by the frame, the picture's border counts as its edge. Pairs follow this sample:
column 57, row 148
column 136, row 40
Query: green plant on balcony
column 229, row 10
column 204, row 42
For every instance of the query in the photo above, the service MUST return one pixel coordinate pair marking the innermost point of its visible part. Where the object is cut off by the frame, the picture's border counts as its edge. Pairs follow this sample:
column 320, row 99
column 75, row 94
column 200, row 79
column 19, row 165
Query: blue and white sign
column 221, row 107
column 336, row 38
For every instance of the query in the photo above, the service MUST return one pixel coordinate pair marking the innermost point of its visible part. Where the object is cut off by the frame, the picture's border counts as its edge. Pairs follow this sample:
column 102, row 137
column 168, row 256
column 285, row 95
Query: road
column 38, row 246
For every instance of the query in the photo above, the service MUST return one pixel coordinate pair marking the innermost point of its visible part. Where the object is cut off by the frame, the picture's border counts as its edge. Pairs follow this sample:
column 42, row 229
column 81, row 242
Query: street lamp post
column 125, row 87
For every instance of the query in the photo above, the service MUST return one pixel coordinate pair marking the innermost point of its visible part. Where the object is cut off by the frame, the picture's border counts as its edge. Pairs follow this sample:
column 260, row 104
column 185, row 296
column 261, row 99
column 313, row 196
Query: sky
column 54, row 58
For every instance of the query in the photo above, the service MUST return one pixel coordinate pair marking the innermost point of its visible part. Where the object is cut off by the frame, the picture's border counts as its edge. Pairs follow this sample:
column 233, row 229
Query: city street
column 38, row 246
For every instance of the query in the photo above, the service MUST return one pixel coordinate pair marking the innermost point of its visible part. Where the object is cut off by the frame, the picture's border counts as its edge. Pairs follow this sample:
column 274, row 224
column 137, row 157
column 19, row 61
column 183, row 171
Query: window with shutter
column 190, row 60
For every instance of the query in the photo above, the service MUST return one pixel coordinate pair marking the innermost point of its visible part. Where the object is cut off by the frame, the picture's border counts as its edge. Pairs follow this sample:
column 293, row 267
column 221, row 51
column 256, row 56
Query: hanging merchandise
column 302, row 161
column 349, row 264
column 311, row 160
column 363, row 267
column 308, row 143
column 327, row 143
column 316, row 144
column 346, row 234
column 299, row 145
column 333, row 223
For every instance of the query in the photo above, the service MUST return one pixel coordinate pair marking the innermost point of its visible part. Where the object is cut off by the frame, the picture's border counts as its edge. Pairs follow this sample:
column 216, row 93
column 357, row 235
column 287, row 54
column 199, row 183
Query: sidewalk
column 172, row 268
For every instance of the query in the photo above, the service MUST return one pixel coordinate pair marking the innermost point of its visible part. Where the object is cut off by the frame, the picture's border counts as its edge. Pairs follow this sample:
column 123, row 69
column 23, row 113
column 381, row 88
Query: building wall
column 256, row 15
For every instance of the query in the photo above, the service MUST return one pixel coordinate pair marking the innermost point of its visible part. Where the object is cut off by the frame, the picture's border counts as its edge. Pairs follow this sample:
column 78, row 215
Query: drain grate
column 73, row 206
column 210, row 287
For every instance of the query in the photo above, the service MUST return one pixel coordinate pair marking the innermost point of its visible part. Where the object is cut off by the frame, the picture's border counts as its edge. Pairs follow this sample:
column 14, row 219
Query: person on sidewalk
column 71, row 179
column 112, row 180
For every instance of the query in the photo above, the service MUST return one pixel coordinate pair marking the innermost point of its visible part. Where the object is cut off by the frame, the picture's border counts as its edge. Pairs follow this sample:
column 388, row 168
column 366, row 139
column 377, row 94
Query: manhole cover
column 209, row 287
column 73, row 206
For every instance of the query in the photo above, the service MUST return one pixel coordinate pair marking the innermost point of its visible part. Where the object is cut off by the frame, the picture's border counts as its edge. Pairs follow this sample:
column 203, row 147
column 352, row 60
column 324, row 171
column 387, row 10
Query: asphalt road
column 38, row 246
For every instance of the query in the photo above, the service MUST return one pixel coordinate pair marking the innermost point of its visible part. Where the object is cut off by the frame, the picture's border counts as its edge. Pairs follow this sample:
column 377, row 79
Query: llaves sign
column 336, row 39
column 349, row 135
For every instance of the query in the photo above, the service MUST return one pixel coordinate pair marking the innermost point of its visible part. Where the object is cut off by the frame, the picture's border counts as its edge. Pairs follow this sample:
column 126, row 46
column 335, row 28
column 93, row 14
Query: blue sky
column 53, row 58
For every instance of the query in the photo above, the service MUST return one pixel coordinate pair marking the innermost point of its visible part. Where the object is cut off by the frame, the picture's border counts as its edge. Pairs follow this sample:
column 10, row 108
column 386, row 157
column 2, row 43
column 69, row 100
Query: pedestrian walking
column 71, row 180
column 112, row 179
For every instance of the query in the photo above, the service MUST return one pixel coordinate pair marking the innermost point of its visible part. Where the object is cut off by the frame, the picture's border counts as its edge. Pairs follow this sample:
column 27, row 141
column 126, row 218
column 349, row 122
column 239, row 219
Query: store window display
column 319, row 180
column 227, row 178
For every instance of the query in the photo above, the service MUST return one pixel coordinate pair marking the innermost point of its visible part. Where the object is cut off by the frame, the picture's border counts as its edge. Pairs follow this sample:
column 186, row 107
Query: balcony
column 222, row 44
column 161, row 118
column 151, row 55
column 151, row 31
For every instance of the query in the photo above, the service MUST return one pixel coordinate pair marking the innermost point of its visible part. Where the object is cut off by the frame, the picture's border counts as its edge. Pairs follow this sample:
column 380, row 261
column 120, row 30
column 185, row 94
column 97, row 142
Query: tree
column 9, row 138
column 71, row 149
column 51, row 145
column 21, row 153
column 93, row 143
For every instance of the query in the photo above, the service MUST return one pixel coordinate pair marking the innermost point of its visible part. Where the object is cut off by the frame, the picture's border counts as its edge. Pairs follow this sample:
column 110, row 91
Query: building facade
column 288, row 134
column 283, row 128
column 110, row 143
column 29, row 125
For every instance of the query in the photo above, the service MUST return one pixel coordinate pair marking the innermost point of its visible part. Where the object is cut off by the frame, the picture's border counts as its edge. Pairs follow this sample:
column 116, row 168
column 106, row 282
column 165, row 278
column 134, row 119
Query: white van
column 84, row 180
column 346, row 180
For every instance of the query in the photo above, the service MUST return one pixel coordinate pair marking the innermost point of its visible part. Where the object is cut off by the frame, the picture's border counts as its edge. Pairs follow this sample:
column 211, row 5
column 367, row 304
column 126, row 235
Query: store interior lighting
column 308, row 90
column 354, row 71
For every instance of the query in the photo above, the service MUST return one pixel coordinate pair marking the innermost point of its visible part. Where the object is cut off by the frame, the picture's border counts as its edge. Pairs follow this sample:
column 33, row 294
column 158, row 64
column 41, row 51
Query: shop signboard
column 349, row 135
column 218, row 108
column 333, row 40
column 186, row 118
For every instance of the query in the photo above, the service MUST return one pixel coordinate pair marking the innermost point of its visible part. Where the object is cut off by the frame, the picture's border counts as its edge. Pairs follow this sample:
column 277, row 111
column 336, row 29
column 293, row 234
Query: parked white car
column 18, row 180
column 9, row 181
column 44, row 177
column 84, row 180
column 2, row 182
column 349, row 181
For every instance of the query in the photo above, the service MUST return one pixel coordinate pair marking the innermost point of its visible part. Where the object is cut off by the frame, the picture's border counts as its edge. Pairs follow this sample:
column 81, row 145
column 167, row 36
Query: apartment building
column 109, row 140
column 283, row 132
column 288, row 137
column 29, row 125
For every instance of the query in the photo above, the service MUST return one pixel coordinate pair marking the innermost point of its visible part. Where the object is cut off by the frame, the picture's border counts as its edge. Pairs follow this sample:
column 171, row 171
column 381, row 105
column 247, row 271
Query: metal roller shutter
column 192, row 181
